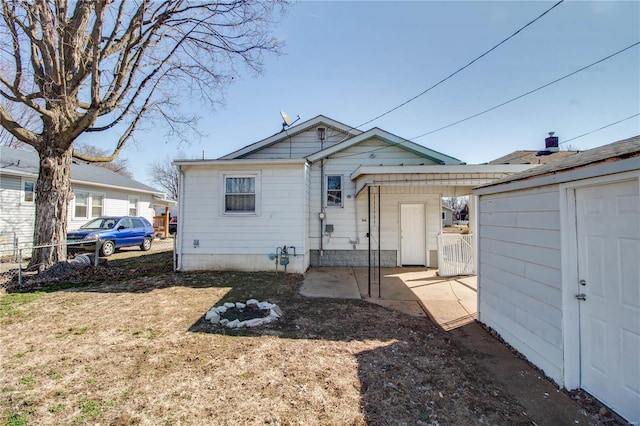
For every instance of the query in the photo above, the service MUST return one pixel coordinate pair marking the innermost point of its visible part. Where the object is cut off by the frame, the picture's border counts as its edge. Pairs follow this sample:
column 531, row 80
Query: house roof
column 26, row 163
column 616, row 151
column 531, row 157
column 390, row 139
column 319, row 120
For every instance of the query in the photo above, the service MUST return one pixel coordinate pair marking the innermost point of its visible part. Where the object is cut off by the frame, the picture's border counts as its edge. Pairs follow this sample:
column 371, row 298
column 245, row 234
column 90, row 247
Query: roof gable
column 391, row 140
column 319, row 120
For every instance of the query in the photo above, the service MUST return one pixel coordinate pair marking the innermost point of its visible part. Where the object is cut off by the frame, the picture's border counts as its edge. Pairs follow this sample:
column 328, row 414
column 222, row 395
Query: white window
column 87, row 205
column 81, row 204
column 240, row 194
column 133, row 206
column 97, row 201
column 29, row 189
column 334, row 191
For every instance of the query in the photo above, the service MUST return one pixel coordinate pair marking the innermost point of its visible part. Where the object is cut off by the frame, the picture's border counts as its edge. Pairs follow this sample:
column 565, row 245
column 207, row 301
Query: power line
column 584, row 134
column 527, row 93
column 524, row 155
column 462, row 68
column 601, row 128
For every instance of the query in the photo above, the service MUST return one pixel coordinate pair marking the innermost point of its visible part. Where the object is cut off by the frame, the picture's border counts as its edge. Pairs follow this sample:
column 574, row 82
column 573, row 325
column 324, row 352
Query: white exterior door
column 413, row 225
column 608, row 235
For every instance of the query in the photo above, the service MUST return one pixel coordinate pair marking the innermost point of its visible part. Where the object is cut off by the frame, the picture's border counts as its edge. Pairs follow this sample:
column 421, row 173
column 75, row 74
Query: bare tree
column 119, row 165
column 23, row 115
column 165, row 175
column 98, row 65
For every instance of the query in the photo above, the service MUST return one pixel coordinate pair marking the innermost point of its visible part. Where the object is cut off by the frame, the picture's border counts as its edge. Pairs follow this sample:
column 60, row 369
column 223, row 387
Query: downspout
column 321, row 209
column 322, row 214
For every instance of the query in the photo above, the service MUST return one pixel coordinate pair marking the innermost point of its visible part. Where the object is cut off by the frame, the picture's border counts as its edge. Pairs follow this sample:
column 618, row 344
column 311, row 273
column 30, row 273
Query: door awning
column 462, row 176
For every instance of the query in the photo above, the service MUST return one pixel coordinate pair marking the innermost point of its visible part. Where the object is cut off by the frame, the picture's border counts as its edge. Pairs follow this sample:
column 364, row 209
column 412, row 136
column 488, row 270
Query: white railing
column 456, row 255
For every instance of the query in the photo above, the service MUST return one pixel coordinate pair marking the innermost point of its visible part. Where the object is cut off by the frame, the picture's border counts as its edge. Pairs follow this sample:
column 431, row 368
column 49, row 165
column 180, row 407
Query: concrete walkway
column 450, row 302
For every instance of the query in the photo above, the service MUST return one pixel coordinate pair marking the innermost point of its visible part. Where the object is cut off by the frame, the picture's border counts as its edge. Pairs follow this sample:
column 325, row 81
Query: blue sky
column 352, row 61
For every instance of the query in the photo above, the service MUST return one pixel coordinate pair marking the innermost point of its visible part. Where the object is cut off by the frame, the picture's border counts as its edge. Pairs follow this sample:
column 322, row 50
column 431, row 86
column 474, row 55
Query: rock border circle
column 214, row 315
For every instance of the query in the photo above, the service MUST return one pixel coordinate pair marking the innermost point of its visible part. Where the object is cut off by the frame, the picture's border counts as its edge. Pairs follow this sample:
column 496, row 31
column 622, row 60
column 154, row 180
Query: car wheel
column 146, row 244
column 108, row 248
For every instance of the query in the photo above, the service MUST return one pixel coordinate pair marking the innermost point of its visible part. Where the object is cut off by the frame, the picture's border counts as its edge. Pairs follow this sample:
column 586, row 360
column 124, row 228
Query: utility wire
column 577, row 137
column 601, row 128
column 527, row 93
column 462, row 68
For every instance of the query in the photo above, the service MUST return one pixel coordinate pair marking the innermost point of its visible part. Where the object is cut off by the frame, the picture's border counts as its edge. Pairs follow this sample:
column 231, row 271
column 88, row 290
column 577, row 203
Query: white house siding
column 17, row 215
column 22, row 214
column 520, row 273
column 115, row 203
column 348, row 244
column 300, row 145
column 236, row 242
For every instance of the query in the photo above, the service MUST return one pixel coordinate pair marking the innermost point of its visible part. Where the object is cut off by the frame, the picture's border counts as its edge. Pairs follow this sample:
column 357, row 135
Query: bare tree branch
column 94, row 65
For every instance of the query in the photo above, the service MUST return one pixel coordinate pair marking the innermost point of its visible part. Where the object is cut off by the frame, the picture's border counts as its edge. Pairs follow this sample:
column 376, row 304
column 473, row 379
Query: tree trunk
column 53, row 189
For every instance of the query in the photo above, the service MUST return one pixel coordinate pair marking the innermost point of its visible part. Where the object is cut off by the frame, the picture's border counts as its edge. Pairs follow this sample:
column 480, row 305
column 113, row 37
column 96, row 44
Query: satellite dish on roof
column 286, row 120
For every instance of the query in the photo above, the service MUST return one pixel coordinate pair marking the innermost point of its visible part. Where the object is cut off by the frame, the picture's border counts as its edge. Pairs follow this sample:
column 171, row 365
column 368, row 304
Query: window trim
column 326, row 191
column 75, row 201
column 23, row 192
column 256, row 175
column 96, row 194
column 89, row 205
column 137, row 199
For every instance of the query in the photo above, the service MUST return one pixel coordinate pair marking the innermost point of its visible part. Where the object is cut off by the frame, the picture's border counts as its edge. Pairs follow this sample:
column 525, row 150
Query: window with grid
column 240, row 194
column 96, row 205
column 133, row 207
column 81, row 201
column 334, row 191
column 29, row 192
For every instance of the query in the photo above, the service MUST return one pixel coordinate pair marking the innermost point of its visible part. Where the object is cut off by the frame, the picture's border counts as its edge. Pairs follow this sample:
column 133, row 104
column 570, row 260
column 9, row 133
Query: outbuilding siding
column 520, row 272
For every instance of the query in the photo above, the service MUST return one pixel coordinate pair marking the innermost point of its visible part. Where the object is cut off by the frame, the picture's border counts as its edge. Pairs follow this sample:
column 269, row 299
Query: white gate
column 456, row 255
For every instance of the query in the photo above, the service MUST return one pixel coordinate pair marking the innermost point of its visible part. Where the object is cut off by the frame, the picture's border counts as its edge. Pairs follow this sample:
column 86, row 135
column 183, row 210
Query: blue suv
column 113, row 232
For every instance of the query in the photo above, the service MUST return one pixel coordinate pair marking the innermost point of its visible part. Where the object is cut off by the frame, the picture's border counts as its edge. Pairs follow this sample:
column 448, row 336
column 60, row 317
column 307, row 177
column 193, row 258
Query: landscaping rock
column 276, row 311
column 256, row 322
column 232, row 324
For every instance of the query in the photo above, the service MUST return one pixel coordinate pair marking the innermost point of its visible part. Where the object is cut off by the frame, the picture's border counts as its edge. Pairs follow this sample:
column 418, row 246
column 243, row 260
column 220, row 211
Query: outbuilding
column 559, row 269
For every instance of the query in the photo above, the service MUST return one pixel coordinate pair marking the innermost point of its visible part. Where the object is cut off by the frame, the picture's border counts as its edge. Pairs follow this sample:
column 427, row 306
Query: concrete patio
column 449, row 301
column 452, row 303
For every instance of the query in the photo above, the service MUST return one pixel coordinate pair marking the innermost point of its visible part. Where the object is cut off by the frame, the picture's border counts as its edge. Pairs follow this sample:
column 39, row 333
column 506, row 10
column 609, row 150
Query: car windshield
column 100, row 223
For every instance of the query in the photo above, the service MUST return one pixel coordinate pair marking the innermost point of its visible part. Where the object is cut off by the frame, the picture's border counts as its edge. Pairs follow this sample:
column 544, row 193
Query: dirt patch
column 135, row 349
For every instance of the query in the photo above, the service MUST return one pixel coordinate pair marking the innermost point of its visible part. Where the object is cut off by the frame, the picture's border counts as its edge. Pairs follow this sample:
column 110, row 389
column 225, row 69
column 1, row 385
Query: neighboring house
column 322, row 187
column 532, row 157
column 96, row 192
column 447, row 216
column 559, row 270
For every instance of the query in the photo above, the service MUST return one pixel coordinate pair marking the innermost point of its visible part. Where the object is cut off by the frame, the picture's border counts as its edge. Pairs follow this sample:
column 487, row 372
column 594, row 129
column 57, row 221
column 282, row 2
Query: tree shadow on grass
column 413, row 372
column 409, row 372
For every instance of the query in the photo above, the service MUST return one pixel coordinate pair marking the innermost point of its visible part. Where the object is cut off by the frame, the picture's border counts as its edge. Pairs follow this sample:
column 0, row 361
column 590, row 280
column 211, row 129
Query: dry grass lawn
column 131, row 347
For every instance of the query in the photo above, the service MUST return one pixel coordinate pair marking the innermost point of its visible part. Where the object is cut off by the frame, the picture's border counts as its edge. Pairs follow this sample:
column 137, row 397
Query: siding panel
column 520, row 272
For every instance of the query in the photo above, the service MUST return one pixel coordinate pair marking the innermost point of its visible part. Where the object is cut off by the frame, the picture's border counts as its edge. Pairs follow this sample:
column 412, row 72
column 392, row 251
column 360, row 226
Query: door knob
column 581, row 296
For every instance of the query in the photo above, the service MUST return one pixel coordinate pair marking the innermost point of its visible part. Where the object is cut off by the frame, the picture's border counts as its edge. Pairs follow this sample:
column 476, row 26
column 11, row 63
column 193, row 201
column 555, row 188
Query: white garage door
column 608, row 229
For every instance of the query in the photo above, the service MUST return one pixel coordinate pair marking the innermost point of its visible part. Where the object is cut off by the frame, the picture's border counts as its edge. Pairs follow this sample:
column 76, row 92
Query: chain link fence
column 16, row 257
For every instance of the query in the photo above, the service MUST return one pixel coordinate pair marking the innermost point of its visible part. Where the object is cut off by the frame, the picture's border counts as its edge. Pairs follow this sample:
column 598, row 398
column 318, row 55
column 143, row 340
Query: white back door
column 413, row 227
column 608, row 233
